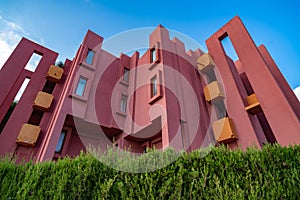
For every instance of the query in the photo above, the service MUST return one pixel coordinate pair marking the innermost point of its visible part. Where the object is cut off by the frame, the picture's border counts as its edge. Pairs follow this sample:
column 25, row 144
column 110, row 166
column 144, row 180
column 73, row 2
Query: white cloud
column 297, row 92
column 10, row 35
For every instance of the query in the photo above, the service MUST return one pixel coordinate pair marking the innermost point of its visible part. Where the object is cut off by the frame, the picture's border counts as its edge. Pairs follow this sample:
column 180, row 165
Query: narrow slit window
column 14, row 103
column 22, row 89
column 184, row 135
column 89, row 57
column 60, row 142
column 154, row 86
column 81, row 86
column 123, row 104
column 33, row 62
column 126, row 75
column 152, row 55
column 7, row 115
column 228, row 48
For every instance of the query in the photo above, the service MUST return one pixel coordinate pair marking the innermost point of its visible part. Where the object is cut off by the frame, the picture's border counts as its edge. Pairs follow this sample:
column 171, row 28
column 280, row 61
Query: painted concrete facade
column 165, row 97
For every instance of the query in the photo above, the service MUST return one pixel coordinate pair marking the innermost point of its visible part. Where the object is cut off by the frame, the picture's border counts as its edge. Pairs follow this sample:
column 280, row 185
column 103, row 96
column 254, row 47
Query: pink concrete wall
column 174, row 118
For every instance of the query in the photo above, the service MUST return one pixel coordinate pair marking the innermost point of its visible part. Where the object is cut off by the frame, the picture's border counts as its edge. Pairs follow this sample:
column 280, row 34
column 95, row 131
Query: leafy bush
column 270, row 173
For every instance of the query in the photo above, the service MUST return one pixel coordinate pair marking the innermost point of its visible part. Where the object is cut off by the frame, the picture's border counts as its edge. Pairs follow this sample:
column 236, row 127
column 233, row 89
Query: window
column 126, row 75
column 211, row 76
column 123, row 104
column 152, row 55
column 81, row 86
column 221, row 110
column 33, row 62
column 60, row 141
column 228, row 48
column 184, row 135
column 89, row 57
column 154, row 86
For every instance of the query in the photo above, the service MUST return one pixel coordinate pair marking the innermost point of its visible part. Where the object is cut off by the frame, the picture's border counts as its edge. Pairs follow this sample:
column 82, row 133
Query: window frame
column 153, row 55
column 124, row 98
column 153, row 86
column 126, row 74
column 158, row 86
column 84, row 86
column 154, row 59
column 89, row 58
column 62, row 141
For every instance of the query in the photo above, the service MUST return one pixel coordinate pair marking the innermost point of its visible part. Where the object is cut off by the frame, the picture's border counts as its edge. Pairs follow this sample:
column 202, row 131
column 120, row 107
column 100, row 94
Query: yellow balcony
column 213, row 92
column 54, row 74
column 205, row 63
column 43, row 101
column 224, row 131
column 253, row 105
column 28, row 135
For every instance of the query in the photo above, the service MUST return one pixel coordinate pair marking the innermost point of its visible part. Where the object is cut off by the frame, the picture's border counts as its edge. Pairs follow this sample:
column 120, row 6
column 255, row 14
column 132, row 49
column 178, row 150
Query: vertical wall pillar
column 279, row 112
column 11, row 77
column 234, row 90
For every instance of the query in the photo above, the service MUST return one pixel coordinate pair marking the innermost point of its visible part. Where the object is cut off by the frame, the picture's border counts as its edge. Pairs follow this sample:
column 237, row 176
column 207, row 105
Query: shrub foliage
column 270, row 173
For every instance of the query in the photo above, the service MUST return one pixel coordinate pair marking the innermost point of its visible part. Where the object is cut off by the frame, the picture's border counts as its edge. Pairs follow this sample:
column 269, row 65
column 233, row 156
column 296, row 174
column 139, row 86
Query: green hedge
column 271, row 173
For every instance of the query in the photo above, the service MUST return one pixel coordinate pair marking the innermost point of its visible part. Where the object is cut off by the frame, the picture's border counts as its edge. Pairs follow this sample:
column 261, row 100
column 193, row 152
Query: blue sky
column 61, row 25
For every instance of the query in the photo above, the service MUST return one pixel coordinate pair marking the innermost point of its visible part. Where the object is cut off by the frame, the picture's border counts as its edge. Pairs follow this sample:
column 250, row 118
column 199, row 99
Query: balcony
column 205, row 63
column 213, row 92
column 43, row 101
column 28, row 135
column 253, row 105
column 54, row 74
column 224, row 131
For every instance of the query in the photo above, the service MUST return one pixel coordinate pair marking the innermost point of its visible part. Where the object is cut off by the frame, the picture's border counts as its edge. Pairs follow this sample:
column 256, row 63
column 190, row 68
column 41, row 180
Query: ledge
column 87, row 66
column 123, row 114
column 124, row 83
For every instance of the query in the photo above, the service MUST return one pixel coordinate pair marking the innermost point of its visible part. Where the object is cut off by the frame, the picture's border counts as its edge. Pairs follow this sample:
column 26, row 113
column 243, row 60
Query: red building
column 165, row 97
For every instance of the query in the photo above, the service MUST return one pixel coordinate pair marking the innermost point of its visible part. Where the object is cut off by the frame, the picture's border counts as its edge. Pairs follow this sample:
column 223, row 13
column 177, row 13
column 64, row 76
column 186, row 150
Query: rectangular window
column 89, row 57
column 152, row 55
column 60, row 142
column 126, row 75
column 123, row 104
column 184, row 135
column 33, row 62
column 221, row 109
column 211, row 76
column 154, row 86
column 81, row 86
column 228, row 48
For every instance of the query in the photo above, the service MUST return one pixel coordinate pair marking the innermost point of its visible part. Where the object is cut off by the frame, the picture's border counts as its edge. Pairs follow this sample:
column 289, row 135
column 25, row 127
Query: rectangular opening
column 7, row 115
column 154, row 86
column 123, row 104
column 266, row 128
column 22, row 89
column 152, row 55
column 81, row 86
column 36, row 117
column 221, row 109
column 228, row 47
column 126, row 75
column 211, row 76
column 246, row 83
column 184, row 135
column 49, row 87
column 60, row 142
column 89, row 57
column 33, row 62
column 14, row 103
